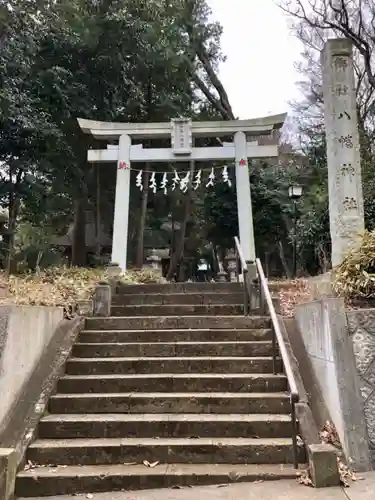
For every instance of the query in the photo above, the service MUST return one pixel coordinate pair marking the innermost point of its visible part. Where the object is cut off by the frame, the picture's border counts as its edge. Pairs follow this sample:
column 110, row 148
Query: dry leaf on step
column 148, row 464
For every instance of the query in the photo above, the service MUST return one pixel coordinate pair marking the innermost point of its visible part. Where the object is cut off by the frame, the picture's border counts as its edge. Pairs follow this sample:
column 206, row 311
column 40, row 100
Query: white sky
column 259, row 73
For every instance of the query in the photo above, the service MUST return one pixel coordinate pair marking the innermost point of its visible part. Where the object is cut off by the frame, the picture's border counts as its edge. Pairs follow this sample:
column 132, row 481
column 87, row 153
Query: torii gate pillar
column 244, row 206
column 122, row 202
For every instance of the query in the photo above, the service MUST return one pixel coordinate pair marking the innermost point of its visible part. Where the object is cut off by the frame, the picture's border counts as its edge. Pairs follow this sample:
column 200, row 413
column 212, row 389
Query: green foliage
column 220, row 214
column 113, row 60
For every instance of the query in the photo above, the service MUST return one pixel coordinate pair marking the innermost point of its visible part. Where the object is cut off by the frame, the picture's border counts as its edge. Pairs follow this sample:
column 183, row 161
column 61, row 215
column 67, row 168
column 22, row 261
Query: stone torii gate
column 182, row 132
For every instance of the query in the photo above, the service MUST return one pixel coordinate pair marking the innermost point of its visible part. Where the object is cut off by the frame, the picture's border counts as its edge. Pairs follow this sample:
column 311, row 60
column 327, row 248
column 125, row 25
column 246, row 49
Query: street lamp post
column 295, row 193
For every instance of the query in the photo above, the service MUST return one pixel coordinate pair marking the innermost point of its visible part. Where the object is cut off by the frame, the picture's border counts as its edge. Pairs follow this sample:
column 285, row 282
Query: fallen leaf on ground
column 148, row 464
column 305, row 478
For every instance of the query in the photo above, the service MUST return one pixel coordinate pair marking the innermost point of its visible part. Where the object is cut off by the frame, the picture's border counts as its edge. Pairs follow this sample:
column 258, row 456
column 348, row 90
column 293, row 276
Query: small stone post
column 85, row 307
column 102, row 299
column 113, row 272
column 232, row 265
column 154, row 261
column 343, row 152
column 221, row 275
column 8, row 472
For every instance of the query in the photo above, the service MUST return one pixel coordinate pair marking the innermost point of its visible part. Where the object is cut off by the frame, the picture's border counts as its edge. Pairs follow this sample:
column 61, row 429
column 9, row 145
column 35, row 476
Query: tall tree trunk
column 180, row 243
column 14, row 206
column 284, row 262
column 15, row 171
column 79, row 235
column 139, row 259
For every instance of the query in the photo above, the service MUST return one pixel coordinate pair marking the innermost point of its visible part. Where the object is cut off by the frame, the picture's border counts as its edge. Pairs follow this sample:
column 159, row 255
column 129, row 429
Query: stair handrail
column 266, row 300
column 243, row 267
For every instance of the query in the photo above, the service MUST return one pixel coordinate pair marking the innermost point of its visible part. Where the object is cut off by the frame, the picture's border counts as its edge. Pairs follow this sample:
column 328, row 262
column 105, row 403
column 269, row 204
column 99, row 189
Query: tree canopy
column 152, row 60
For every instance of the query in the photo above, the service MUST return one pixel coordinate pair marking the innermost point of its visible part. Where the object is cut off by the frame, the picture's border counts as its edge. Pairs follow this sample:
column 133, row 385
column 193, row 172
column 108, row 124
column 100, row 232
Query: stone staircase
column 175, row 388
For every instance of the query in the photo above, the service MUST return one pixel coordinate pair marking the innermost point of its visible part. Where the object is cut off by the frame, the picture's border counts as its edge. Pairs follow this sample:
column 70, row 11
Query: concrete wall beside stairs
column 324, row 351
column 24, row 334
column 34, row 345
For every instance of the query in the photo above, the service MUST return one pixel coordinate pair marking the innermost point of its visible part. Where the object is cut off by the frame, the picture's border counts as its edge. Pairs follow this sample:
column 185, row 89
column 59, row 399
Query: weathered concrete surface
column 102, row 300
column 141, row 402
column 177, row 322
column 362, row 332
column 193, row 364
column 320, row 286
column 324, row 330
column 8, row 470
column 24, row 334
column 178, row 310
column 284, row 490
column 323, row 466
column 18, row 427
column 173, row 288
column 306, row 370
column 322, row 457
column 70, row 426
column 178, row 382
column 99, row 430
column 165, row 450
column 170, row 349
column 208, row 335
column 178, row 298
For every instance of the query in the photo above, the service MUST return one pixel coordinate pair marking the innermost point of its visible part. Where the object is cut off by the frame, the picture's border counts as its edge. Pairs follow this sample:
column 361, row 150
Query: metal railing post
column 294, row 431
column 262, row 303
column 274, row 351
column 246, row 292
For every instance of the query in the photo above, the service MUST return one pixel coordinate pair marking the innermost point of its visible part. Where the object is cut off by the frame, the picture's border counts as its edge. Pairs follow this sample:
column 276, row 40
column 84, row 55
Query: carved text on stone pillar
column 341, row 63
column 346, row 141
column 343, row 115
column 341, row 90
column 349, row 204
column 346, row 171
column 340, row 67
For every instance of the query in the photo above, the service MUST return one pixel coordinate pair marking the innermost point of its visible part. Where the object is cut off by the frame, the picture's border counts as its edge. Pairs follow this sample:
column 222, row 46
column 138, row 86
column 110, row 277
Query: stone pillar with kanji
column 343, row 149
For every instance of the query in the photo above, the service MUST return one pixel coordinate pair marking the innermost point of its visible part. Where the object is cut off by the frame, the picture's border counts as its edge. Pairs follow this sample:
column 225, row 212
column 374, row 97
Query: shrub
column 355, row 278
column 63, row 286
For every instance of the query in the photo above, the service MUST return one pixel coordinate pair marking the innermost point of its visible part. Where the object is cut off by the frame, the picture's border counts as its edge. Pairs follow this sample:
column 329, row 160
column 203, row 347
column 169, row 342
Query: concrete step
column 173, row 288
column 164, row 425
column 151, row 365
column 66, row 480
column 161, row 402
column 178, row 310
column 115, row 336
column 173, row 382
column 196, row 288
column 178, row 298
column 172, row 450
column 156, row 349
column 178, row 322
